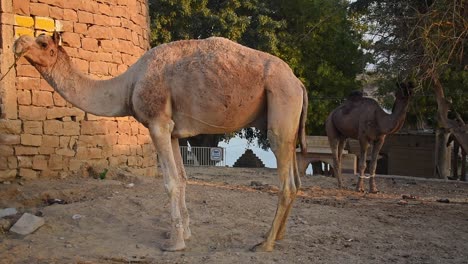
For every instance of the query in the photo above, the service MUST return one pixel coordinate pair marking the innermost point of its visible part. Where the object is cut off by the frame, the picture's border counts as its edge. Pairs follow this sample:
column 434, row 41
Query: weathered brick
column 21, row 7
column 102, row 20
column 60, row 112
column 31, row 140
column 124, row 127
column 80, row 28
column 127, row 140
column 53, row 127
column 70, row 15
column 71, row 128
column 42, row 98
column 6, row 151
column 31, row 113
column 24, row 161
column 99, row 67
column 50, row 141
column 27, row 83
column 38, row 9
column 55, row 162
column 118, row 161
column 136, row 150
column 21, row 150
column 85, row 17
column 74, row 5
column 129, row 59
column 39, row 162
column 50, row 173
column 58, row 3
column 24, row 70
column 71, row 39
column 93, row 128
column 32, row 127
column 10, row 126
column 104, row 57
column 28, row 174
column 58, row 99
column 7, row 174
column 88, row 153
column 65, row 152
column 89, row 44
column 24, row 97
column 3, row 163
column 56, row 12
column 105, row 9
column 12, row 162
column 45, row 86
column 96, row 31
column 143, row 139
column 8, row 139
column 118, row 150
column 135, row 161
column 44, row 150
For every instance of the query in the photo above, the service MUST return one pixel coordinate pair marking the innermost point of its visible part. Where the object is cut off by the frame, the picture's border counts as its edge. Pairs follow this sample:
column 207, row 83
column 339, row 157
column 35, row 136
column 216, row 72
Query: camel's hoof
column 187, row 233
column 373, row 191
column 171, row 246
column 262, row 247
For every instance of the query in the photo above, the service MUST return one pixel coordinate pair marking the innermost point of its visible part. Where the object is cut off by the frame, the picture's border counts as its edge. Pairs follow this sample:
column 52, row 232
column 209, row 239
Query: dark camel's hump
column 354, row 99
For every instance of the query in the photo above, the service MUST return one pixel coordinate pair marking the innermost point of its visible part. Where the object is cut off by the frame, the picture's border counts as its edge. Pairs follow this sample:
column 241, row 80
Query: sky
column 237, row 146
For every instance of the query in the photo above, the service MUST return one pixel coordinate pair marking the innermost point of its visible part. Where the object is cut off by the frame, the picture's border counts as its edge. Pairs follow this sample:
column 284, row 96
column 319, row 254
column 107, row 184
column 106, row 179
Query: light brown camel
column 185, row 88
column 363, row 119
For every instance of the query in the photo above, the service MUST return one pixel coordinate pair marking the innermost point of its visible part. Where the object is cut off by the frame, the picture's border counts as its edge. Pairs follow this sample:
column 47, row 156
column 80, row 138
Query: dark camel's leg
column 160, row 132
column 362, row 164
column 183, row 182
column 373, row 165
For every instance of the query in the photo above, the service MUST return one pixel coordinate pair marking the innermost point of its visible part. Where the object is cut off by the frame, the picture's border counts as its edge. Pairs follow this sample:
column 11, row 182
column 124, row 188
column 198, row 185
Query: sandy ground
column 230, row 214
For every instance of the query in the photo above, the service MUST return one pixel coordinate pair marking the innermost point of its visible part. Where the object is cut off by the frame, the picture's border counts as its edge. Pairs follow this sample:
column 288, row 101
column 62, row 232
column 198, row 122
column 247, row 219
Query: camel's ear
column 57, row 38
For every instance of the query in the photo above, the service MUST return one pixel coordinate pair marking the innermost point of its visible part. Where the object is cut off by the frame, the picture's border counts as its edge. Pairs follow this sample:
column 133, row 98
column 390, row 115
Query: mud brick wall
column 42, row 135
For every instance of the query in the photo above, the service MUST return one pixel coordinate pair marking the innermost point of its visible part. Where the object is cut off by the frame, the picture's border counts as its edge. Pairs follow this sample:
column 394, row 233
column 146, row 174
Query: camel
column 185, row 88
column 363, row 119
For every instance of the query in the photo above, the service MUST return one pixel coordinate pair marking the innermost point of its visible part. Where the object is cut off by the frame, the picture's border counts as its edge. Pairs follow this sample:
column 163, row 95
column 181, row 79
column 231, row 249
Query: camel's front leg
column 161, row 135
column 362, row 164
column 373, row 165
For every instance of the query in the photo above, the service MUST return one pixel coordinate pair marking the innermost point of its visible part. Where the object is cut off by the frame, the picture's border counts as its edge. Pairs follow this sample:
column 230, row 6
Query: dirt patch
column 231, row 210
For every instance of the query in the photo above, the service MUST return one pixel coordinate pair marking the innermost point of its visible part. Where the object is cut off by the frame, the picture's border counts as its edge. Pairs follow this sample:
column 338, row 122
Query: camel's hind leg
column 373, row 165
column 283, row 123
column 297, row 182
column 336, row 146
column 362, row 164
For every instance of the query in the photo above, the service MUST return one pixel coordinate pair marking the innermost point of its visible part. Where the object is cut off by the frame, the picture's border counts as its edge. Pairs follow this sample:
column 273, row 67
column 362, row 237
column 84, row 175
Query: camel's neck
column 391, row 123
column 99, row 97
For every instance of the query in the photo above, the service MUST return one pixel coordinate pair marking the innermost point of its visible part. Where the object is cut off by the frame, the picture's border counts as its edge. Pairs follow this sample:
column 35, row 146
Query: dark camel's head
column 41, row 51
column 404, row 90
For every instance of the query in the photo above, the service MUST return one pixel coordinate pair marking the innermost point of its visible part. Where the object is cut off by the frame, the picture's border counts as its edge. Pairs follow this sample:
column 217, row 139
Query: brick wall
column 42, row 135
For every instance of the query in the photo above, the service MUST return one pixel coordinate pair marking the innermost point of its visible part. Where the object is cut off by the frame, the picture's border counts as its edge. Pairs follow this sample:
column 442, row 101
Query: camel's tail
column 302, row 123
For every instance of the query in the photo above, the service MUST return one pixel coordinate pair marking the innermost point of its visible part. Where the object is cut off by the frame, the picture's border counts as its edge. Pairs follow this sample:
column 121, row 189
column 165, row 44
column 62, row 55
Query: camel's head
column 404, row 90
column 41, row 51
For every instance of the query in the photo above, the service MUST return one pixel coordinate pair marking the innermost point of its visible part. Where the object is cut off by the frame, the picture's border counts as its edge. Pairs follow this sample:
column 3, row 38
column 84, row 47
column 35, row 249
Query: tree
column 425, row 40
column 319, row 39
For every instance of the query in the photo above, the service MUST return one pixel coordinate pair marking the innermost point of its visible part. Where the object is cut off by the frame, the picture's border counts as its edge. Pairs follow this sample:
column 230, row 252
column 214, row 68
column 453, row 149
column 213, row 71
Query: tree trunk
column 441, row 170
column 458, row 129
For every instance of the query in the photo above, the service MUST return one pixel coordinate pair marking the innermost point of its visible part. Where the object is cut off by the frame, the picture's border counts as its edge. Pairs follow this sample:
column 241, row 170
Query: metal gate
column 203, row 156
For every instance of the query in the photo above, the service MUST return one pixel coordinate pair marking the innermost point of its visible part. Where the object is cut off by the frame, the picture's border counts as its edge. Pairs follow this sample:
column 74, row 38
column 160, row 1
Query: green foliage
column 423, row 41
column 320, row 40
column 103, row 174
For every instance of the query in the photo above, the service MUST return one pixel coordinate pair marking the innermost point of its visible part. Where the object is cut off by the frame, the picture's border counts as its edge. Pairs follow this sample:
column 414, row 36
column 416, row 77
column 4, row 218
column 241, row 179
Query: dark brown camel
column 363, row 119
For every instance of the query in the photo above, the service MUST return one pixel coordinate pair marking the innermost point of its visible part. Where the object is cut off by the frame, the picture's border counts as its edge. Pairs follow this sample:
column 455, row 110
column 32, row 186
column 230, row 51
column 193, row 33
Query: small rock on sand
column 8, row 212
column 27, row 224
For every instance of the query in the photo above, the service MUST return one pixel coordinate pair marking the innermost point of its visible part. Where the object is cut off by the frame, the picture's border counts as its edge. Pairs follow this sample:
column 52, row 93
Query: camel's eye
column 43, row 45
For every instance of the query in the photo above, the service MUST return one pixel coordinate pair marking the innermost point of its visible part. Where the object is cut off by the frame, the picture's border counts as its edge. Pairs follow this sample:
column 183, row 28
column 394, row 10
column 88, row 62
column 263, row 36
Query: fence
column 203, row 156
